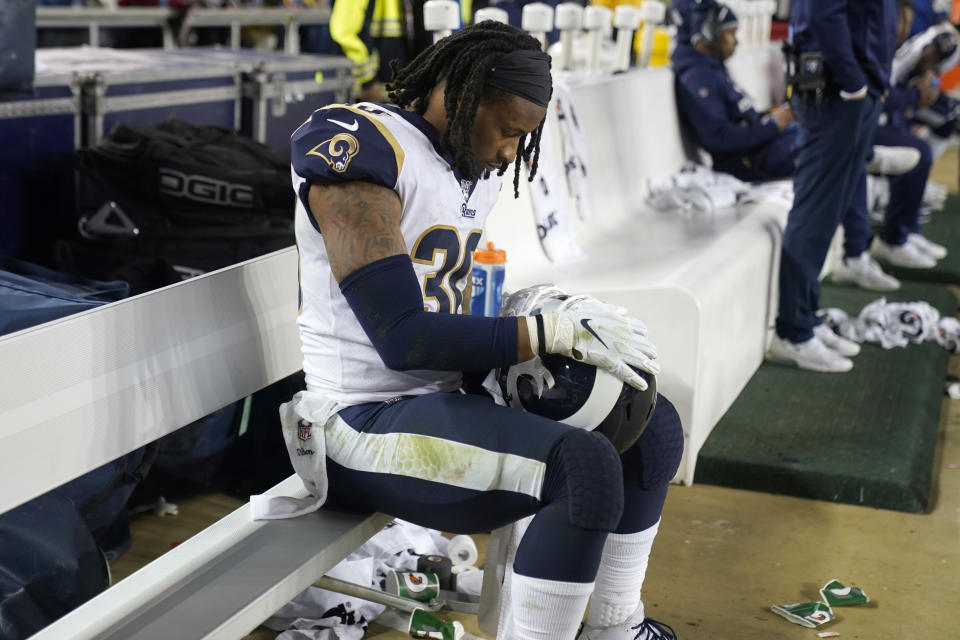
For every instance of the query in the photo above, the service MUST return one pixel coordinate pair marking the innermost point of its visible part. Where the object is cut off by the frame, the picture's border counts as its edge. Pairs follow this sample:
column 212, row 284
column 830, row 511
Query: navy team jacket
column 720, row 114
column 857, row 38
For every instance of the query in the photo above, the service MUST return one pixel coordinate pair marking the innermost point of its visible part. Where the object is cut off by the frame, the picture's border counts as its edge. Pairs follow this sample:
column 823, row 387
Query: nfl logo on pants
column 303, row 430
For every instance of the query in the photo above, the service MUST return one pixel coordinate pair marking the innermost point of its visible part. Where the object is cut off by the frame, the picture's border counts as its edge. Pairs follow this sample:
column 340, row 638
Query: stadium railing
column 93, row 19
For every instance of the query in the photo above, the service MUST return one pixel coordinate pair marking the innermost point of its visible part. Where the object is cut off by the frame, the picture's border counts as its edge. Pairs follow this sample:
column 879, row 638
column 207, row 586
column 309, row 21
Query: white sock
column 546, row 609
column 623, row 567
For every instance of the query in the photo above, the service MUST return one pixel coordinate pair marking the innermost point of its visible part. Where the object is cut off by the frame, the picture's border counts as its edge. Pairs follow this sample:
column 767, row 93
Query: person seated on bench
column 900, row 242
column 934, row 50
column 755, row 147
column 391, row 204
column 749, row 145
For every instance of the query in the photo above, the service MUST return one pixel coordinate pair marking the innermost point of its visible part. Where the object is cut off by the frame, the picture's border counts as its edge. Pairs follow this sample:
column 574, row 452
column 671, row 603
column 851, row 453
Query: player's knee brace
column 585, row 469
column 653, row 460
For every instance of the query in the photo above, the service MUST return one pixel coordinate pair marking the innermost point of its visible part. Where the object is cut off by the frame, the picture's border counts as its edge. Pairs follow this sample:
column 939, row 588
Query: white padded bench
column 81, row 391
column 705, row 288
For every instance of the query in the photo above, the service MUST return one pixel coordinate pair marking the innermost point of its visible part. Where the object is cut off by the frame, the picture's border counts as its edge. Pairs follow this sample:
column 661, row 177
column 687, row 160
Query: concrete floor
column 724, row 556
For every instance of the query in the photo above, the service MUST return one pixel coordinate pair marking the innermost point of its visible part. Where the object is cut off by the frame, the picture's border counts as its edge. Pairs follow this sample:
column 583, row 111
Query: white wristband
column 531, row 322
column 853, row 96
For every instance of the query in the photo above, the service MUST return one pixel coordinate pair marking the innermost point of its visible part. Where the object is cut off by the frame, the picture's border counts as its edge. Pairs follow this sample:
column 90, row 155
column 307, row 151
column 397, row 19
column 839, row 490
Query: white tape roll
column 469, row 580
column 463, row 551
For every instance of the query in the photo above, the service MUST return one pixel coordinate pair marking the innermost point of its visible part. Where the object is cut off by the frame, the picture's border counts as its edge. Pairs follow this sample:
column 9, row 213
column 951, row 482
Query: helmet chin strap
column 536, row 370
column 597, row 405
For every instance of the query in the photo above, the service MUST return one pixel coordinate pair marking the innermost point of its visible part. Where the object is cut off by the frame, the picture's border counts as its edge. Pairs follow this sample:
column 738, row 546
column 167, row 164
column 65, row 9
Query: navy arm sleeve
column 828, row 24
column 386, row 299
column 700, row 102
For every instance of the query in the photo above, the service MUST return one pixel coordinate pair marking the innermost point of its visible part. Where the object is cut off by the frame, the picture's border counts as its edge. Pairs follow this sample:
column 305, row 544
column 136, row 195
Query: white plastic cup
column 491, row 13
column 596, row 20
column 626, row 19
column 537, row 20
column 441, row 17
column 568, row 18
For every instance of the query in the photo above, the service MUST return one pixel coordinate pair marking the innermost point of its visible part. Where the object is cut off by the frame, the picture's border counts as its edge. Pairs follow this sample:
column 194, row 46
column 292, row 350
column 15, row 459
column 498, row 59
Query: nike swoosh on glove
column 601, row 334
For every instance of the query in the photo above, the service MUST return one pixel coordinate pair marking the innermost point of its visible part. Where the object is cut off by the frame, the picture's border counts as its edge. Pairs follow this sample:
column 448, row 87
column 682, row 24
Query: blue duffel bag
column 49, row 564
column 54, row 549
column 18, row 33
column 31, row 294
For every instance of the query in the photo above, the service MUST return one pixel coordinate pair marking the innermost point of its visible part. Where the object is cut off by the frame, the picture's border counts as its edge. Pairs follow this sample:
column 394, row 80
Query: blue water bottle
column 489, row 267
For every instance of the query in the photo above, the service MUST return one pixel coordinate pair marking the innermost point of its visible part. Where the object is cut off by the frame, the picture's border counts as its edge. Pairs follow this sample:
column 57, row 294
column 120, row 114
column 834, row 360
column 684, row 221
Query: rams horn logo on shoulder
column 338, row 151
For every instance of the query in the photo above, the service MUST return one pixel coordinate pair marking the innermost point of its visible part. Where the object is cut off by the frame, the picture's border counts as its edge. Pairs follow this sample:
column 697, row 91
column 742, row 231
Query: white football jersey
column 442, row 219
column 908, row 54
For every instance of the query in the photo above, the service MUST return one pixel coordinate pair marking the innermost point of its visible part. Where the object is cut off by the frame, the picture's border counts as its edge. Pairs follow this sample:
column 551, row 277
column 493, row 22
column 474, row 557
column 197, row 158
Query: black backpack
column 197, row 197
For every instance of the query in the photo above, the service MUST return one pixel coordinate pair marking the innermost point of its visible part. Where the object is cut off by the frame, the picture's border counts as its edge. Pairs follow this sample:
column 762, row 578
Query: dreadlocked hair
column 464, row 59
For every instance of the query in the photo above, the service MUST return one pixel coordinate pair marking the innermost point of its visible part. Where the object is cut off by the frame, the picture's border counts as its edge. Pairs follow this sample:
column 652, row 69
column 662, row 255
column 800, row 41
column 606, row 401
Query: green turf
column 863, row 437
column 943, row 228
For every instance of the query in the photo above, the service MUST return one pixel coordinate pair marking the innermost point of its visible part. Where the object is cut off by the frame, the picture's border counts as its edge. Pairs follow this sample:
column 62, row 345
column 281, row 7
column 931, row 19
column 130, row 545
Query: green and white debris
column 836, row 594
column 807, row 614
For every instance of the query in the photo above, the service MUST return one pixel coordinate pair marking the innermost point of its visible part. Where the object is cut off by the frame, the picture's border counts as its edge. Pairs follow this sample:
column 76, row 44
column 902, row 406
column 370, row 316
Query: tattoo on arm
column 360, row 223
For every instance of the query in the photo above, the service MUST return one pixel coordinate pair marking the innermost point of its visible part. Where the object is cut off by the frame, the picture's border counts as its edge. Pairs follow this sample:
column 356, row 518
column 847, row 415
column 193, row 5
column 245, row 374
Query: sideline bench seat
column 224, row 581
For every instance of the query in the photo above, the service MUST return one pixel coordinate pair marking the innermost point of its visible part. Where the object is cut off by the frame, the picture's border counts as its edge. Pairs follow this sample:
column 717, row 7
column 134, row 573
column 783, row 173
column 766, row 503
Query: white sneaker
column 841, row 345
column 893, row 161
column 812, row 355
column 646, row 629
column 864, row 272
column 905, row 255
column 932, row 249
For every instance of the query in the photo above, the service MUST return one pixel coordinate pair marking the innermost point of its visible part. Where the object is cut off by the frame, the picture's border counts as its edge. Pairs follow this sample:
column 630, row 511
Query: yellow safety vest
column 355, row 23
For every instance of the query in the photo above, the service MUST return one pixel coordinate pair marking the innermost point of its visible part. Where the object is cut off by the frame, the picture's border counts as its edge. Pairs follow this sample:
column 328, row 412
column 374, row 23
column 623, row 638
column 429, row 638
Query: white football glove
column 596, row 333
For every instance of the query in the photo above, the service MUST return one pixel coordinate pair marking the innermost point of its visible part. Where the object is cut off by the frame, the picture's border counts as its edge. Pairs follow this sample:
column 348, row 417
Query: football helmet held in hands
column 577, row 392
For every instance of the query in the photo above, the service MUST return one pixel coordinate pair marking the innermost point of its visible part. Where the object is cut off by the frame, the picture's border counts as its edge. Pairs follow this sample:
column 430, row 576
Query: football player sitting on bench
column 391, row 204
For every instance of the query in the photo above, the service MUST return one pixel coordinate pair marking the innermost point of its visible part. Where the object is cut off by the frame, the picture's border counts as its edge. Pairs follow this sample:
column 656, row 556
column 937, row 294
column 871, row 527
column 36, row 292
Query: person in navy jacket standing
column 856, row 39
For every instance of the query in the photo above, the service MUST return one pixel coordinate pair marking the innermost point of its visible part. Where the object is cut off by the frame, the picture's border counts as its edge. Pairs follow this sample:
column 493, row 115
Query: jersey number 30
column 443, row 285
